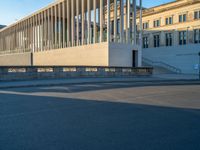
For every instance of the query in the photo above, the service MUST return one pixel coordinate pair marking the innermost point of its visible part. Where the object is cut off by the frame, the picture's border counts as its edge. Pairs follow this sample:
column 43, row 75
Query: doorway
column 134, row 58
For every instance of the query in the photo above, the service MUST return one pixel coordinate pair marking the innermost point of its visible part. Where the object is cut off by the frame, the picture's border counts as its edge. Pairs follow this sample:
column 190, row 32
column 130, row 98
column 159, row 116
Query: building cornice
column 152, row 11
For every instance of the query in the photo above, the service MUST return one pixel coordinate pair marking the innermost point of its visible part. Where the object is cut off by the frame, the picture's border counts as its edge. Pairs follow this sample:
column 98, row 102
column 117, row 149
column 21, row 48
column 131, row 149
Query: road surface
column 101, row 116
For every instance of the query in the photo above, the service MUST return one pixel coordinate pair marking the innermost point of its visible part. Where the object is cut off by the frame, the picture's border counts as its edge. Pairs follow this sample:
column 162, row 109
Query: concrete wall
column 182, row 57
column 23, row 59
column 103, row 54
column 121, row 54
column 88, row 55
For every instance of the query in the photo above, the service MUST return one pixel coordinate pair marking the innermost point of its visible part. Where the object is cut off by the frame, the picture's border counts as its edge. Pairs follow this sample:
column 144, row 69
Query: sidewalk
column 53, row 82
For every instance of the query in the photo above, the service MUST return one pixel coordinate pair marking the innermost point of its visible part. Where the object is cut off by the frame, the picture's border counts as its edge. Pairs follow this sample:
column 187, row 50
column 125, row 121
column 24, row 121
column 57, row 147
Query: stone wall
column 183, row 57
column 47, row 72
column 21, row 59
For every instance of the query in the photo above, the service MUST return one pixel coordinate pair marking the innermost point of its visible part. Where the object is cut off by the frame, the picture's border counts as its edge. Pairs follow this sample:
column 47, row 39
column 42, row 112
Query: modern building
column 74, row 33
column 171, row 35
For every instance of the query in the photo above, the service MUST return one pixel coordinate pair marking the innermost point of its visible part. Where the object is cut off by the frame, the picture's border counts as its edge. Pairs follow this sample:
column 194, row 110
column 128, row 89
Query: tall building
column 74, row 33
column 171, row 35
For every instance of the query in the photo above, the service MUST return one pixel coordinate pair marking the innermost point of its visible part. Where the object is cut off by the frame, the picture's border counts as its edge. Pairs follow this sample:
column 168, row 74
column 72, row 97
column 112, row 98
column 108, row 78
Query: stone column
column 134, row 30
column 121, row 21
column 115, row 20
column 49, row 35
column 68, row 24
column 56, row 27
column 46, row 29
column 41, row 35
column 83, row 22
column 94, row 25
column 89, row 21
column 33, row 48
column 52, row 28
column 72, row 21
column 128, row 22
column 59, row 23
column 64, row 29
column 101, row 20
column 77, row 22
column 139, row 63
column 108, row 21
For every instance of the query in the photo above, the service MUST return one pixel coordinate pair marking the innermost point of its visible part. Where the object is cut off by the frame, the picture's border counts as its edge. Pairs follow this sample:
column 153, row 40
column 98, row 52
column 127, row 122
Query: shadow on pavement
column 40, row 123
column 75, row 88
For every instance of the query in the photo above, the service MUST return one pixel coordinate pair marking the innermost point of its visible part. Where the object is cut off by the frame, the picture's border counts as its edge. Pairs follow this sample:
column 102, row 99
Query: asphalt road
column 106, row 116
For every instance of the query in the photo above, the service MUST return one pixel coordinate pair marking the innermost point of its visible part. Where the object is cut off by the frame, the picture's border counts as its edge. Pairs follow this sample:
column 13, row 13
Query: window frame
column 168, row 39
column 145, row 42
column 183, row 37
column 156, row 39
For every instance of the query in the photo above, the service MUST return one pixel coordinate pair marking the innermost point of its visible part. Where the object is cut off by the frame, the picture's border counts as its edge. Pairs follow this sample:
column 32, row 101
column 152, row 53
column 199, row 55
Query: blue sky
column 12, row 10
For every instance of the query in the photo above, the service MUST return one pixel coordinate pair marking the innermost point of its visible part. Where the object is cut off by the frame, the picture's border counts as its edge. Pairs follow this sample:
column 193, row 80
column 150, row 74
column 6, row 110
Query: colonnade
column 69, row 23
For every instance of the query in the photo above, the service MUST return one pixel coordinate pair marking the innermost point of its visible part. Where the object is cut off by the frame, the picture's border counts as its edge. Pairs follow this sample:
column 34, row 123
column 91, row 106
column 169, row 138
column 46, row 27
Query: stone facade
column 172, row 24
column 171, row 36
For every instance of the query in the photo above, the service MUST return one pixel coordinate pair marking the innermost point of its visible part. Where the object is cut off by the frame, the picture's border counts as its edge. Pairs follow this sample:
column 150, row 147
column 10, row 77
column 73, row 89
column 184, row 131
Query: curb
column 142, row 81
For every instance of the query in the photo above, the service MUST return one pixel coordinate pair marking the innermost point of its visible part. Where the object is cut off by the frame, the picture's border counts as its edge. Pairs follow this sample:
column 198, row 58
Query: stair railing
column 161, row 64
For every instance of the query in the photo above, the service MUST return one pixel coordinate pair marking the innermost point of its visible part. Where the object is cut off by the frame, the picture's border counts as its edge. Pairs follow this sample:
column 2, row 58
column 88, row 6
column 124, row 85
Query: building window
column 182, row 37
column 168, row 39
column 156, row 23
column 156, row 40
column 145, row 25
column 197, row 36
column 145, row 42
column 197, row 15
column 182, row 18
column 168, row 21
column 137, row 27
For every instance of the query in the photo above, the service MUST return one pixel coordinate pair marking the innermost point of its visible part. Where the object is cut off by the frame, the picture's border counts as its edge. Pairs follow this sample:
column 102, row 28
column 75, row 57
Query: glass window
column 199, row 14
column 167, row 21
column 156, row 23
column 170, row 20
column 145, row 25
column 197, row 36
column 180, row 18
column 184, row 18
column 168, row 39
column 156, row 40
column 182, row 37
column 196, row 15
column 145, row 42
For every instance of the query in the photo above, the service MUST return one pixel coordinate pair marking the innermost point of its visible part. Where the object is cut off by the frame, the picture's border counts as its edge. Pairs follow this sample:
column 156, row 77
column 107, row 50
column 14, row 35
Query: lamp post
column 199, row 65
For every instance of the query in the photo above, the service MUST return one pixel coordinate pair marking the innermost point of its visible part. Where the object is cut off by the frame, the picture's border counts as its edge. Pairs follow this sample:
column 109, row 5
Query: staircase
column 161, row 67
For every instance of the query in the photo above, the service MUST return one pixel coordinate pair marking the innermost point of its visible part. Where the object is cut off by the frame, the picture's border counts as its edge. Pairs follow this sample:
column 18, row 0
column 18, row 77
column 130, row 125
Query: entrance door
column 133, row 58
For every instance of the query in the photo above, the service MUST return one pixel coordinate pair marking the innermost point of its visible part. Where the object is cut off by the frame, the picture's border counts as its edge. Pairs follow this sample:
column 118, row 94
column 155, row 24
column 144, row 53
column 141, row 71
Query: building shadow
column 34, row 122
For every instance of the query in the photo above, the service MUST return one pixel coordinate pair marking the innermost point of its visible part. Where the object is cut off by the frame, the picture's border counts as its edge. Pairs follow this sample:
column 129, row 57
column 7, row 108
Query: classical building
column 171, row 35
column 74, row 33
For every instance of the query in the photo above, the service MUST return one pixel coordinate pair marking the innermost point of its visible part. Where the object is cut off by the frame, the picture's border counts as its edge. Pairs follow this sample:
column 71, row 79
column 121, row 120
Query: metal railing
column 161, row 64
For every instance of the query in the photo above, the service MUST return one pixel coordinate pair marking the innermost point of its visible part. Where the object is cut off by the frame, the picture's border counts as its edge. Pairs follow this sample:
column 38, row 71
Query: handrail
column 161, row 64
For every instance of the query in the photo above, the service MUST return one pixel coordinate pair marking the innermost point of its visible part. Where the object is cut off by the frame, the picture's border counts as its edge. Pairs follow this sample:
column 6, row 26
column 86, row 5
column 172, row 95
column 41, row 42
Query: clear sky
column 12, row 10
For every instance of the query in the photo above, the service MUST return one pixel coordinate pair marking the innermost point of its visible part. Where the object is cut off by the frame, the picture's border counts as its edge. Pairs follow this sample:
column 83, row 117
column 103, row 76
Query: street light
column 199, row 65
